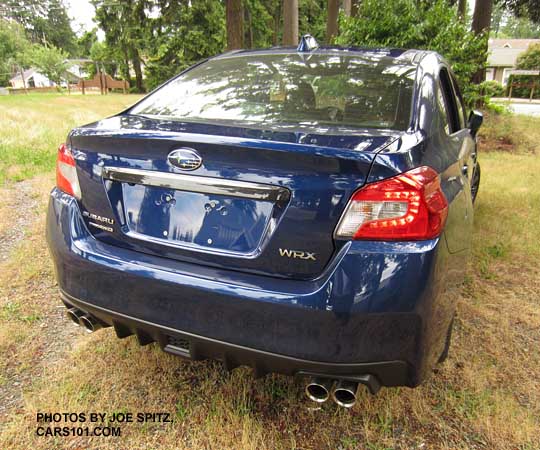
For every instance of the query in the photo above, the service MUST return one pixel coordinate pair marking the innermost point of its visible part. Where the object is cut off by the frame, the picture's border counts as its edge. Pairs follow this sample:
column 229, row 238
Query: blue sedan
column 306, row 211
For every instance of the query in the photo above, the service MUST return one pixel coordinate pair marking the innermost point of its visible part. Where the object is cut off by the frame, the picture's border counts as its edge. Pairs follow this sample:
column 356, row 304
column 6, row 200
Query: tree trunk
column 277, row 23
column 347, row 6
column 332, row 20
column 482, row 16
column 235, row 24
column 136, row 61
column 355, row 5
column 462, row 9
column 290, row 22
column 124, row 68
column 480, row 24
column 249, row 28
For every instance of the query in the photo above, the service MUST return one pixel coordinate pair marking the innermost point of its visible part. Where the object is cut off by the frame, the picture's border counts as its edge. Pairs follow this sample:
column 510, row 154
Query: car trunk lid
column 262, row 201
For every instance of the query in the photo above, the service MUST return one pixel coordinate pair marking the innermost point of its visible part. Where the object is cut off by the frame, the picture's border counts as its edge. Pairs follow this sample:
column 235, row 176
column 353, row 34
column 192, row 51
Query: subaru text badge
column 185, row 159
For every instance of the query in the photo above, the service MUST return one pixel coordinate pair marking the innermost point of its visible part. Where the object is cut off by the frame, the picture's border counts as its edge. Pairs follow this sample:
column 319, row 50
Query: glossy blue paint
column 322, row 171
column 222, row 276
column 344, row 316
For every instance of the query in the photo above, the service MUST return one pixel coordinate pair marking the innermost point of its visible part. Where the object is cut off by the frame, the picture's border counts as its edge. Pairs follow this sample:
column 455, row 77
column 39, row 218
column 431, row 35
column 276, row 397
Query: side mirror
column 475, row 121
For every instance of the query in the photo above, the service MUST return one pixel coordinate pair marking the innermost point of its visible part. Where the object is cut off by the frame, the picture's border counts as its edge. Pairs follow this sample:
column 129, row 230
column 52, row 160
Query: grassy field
column 485, row 396
column 33, row 126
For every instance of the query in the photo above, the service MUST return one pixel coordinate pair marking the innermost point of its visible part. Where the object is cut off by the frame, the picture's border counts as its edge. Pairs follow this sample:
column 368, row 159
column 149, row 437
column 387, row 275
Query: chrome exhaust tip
column 318, row 389
column 344, row 393
column 74, row 315
column 90, row 323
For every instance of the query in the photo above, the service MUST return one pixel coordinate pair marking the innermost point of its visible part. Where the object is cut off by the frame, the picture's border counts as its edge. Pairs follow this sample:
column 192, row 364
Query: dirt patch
column 53, row 334
column 502, row 144
column 509, row 133
column 34, row 334
column 18, row 202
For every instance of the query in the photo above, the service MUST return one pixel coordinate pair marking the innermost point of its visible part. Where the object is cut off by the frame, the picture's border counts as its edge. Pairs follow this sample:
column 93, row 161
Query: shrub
column 497, row 108
column 492, row 89
column 530, row 58
column 421, row 25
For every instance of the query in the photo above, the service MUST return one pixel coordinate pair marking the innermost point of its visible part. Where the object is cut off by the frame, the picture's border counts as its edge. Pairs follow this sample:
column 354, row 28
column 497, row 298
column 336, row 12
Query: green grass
column 32, row 127
column 486, row 396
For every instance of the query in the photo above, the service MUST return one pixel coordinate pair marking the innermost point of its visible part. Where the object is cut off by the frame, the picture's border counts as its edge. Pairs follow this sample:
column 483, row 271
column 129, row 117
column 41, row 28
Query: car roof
column 393, row 55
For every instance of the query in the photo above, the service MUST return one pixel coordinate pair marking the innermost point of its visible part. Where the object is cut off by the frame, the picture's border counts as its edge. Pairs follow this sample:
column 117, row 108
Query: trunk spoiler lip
column 352, row 145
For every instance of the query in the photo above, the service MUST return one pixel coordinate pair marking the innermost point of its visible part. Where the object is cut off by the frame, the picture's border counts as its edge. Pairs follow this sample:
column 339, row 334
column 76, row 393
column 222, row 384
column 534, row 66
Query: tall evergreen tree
column 260, row 22
column 124, row 23
column 182, row 34
column 480, row 26
column 524, row 8
column 235, row 24
column 332, row 20
column 85, row 43
column 347, row 7
column 462, row 9
column 13, row 49
column 45, row 22
column 290, row 22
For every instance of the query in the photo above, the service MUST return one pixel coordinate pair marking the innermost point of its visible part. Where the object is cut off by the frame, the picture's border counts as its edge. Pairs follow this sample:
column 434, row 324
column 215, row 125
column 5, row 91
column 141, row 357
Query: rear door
column 461, row 148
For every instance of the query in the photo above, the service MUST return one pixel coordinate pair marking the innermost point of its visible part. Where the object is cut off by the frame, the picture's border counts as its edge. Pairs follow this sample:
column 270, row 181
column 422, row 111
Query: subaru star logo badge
column 185, row 159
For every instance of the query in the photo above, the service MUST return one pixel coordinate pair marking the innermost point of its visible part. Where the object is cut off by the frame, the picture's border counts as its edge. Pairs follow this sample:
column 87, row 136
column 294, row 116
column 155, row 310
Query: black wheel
column 446, row 349
column 475, row 182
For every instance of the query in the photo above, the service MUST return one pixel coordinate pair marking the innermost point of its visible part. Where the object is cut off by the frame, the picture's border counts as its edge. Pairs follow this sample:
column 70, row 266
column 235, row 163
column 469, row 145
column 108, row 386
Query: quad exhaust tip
column 344, row 394
column 89, row 322
column 319, row 389
column 74, row 315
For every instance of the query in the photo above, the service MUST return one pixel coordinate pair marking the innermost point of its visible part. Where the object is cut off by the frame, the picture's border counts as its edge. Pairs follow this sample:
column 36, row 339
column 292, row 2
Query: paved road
column 524, row 107
column 530, row 109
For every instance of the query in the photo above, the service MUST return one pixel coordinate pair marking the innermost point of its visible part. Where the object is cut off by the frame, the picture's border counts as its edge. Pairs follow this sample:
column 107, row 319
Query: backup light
column 66, row 172
column 409, row 206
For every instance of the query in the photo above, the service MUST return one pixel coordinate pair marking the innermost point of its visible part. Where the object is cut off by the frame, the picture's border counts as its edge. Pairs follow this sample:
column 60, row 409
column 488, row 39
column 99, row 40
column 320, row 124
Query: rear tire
column 446, row 350
column 475, row 182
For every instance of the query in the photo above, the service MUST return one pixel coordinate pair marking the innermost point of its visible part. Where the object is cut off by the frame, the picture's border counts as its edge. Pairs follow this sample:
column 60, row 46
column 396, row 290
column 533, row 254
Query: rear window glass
column 290, row 89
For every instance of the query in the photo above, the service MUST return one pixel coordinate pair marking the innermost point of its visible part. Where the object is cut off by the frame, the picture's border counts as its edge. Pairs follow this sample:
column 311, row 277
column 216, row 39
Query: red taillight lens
column 66, row 172
column 410, row 206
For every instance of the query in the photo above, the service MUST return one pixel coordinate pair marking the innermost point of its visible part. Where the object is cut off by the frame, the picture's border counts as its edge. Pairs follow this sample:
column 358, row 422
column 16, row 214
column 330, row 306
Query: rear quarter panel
column 430, row 145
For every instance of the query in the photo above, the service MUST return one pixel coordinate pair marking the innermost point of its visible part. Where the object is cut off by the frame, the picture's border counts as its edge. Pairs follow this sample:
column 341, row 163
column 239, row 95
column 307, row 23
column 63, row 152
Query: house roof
column 505, row 52
column 512, row 43
column 32, row 71
column 27, row 74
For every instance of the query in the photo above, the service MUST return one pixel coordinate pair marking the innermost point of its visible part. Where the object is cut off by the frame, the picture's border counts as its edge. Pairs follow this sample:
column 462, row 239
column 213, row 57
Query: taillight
column 410, row 206
column 66, row 172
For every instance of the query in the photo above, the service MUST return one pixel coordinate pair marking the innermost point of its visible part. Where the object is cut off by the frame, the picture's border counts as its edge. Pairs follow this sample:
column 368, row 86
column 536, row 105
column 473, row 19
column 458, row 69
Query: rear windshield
column 326, row 89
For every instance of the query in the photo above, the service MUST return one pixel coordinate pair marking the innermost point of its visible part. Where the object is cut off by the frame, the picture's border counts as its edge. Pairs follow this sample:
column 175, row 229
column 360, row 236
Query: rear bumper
column 188, row 345
column 370, row 312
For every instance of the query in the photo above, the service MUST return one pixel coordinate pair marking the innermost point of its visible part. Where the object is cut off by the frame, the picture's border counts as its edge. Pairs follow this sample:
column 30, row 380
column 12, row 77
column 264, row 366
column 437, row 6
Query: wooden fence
column 104, row 82
column 101, row 83
column 532, row 85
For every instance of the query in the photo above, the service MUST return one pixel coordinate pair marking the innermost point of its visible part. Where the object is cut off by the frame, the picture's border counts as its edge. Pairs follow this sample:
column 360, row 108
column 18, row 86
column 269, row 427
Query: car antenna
column 307, row 44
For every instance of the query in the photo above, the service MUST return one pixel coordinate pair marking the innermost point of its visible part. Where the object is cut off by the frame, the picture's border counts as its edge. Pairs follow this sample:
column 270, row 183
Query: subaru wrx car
column 305, row 211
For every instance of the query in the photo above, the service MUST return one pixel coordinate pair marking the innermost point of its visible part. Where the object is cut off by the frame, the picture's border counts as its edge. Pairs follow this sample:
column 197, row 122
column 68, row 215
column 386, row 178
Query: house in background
column 503, row 55
column 32, row 78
